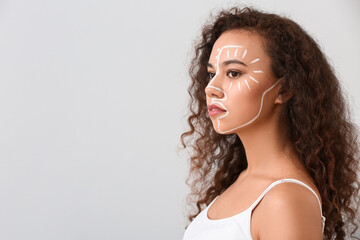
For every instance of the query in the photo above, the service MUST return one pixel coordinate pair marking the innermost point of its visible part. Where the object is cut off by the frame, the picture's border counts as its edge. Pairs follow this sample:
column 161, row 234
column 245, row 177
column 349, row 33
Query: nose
column 213, row 90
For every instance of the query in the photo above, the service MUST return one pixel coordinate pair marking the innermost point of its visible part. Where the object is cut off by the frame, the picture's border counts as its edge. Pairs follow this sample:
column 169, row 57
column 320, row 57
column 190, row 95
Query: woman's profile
column 274, row 154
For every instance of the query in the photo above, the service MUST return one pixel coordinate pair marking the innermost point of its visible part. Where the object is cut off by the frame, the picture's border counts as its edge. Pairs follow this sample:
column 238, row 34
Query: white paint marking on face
column 247, row 84
column 215, row 100
column 230, row 86
column 253, row 79
column 236, row 52
column 261, row 104
column 221, row 104
column 227, row 53
column 218, row 59
column 244, row 54
column 254, row 61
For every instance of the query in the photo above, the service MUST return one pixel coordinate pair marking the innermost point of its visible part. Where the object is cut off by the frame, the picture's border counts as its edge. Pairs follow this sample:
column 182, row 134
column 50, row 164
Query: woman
column 274, row 154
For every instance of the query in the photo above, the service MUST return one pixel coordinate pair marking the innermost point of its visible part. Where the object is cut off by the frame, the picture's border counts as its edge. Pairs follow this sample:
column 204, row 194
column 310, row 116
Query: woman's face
column 241, row 82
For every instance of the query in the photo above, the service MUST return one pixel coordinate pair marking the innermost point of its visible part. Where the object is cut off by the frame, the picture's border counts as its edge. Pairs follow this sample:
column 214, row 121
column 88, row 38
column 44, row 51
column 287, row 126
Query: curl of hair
column 317, row 119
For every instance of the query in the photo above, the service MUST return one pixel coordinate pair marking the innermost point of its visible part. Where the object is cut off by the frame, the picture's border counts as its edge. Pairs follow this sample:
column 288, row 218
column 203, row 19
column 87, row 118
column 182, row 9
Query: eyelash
column 211, row 75
column 232, row 71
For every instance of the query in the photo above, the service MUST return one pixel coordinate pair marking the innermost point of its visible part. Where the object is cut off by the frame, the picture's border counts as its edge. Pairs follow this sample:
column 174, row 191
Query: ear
column 281, row 98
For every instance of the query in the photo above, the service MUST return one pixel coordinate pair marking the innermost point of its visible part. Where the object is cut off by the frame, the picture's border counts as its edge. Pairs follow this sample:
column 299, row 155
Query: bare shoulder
column 290, row 211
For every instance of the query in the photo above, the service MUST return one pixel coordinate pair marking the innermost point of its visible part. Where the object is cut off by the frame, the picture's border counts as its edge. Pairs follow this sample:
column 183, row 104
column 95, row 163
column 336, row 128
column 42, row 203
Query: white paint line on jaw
column 261, row 104
column 216, row 100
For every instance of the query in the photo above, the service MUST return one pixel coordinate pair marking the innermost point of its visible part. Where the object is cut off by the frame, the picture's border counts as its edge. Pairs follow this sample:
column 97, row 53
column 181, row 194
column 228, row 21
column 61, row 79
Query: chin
column 225, row 129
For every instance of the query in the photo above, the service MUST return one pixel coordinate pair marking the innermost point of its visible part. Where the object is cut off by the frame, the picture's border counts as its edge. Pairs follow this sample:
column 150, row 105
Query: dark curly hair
column 317, row 119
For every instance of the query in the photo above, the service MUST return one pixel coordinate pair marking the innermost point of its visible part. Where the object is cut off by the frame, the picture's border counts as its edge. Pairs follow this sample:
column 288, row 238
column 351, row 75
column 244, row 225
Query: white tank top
column 235, row 227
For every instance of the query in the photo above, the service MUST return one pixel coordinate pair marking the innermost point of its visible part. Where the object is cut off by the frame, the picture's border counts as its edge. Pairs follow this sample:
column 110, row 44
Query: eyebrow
column 225, row 63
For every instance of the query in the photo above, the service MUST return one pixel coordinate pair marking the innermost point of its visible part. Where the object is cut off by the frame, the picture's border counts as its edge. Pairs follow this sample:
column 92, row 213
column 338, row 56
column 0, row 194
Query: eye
column 211, row 75
column 233, row 74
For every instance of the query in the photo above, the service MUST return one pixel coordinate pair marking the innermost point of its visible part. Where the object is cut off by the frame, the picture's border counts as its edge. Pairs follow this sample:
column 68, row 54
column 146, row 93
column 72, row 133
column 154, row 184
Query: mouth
column 214, row 110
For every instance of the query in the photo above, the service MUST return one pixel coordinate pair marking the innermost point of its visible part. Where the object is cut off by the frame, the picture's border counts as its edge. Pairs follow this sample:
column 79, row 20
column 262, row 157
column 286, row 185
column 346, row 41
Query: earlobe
column 278, row 100
column 281, row 98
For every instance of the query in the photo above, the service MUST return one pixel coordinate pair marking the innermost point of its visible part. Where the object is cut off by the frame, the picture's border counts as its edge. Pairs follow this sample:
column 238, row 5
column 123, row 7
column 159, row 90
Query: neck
column 268, row 151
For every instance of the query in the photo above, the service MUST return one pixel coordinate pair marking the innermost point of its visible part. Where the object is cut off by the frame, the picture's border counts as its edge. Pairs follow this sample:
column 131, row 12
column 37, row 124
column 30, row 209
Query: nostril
column 214, row 95
column 214, row 92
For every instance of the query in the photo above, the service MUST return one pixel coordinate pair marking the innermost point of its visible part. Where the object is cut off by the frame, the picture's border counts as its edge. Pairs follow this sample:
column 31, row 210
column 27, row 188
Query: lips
column 215, row 110
column 215, row 107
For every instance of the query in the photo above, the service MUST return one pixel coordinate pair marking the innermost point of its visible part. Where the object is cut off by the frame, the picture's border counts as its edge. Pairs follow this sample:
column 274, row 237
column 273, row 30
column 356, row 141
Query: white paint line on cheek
column 254, row 61
column 261, row 104
column 247, row 84
column 230, row 86
column 253, row 79
column 213, row 100
column 244, row 54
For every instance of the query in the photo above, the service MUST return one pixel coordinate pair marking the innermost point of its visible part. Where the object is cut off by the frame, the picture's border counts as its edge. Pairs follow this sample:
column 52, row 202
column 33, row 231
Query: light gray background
column 92, row 103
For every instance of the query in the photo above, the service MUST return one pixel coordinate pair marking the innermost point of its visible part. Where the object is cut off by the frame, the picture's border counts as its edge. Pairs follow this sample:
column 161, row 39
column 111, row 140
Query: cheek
column 244, row 99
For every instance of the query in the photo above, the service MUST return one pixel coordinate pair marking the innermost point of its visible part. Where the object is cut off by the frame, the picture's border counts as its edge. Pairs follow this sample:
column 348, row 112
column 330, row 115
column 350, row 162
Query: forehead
column 250, row 41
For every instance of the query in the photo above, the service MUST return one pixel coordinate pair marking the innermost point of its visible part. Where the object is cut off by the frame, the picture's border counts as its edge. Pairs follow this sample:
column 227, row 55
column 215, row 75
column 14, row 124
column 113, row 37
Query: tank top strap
column 282, row 181
column 294, row 181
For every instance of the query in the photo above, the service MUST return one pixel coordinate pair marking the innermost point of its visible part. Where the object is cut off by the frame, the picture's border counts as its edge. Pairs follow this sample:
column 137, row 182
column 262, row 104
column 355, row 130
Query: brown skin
column 285, row 204
column 317, row 142
column 267, row 163
column 264, row 139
